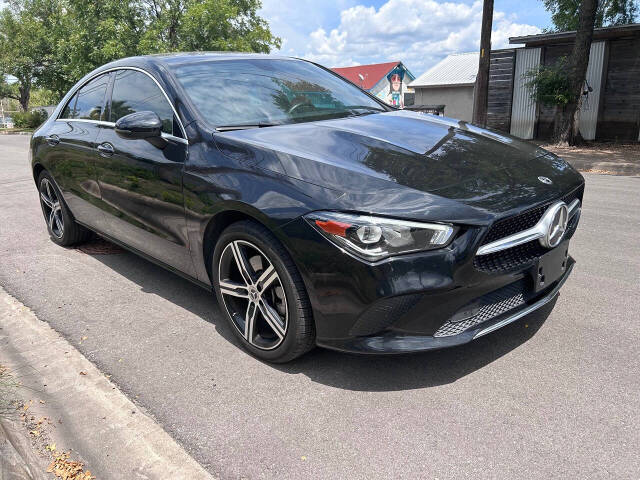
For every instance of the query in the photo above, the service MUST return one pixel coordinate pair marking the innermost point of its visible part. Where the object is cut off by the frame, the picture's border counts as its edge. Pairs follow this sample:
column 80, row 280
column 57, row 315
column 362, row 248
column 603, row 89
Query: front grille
column 509, row 226
column 510, row 259
column 489, row 306
column 521, row 255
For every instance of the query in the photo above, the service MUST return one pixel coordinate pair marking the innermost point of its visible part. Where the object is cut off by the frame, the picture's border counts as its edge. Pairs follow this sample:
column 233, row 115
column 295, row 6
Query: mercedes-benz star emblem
column 545, row 180
column 555, row 222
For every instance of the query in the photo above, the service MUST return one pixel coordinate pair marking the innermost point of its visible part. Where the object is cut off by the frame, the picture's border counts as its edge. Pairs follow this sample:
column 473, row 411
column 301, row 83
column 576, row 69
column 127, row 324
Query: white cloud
column 418, row 32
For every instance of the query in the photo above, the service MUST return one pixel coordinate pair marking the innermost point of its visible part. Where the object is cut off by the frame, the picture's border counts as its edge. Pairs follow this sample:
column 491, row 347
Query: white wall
column 457, row 101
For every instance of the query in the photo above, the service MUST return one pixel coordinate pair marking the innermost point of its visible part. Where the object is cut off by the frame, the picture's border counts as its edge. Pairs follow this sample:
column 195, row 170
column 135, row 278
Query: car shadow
column 374, row 373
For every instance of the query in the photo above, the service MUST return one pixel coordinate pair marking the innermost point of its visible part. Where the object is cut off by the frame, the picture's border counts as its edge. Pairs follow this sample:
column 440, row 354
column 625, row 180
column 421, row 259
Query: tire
column 61, row 225
column 282, row 327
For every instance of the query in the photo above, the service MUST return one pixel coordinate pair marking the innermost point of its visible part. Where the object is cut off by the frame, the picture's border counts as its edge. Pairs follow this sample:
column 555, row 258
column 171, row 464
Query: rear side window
column 70, row 110
column 134, row 91
column 88, row 103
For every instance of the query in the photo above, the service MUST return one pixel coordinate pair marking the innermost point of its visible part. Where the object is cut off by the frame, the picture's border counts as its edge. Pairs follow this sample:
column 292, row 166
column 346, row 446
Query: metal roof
column 598, row 34
column 458, row 69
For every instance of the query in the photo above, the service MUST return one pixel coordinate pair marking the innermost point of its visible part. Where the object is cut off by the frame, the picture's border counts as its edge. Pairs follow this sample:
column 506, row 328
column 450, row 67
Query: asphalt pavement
column 554, row 395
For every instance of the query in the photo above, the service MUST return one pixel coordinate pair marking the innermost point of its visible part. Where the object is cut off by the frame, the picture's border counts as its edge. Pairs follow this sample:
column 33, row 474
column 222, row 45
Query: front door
column 141, row 183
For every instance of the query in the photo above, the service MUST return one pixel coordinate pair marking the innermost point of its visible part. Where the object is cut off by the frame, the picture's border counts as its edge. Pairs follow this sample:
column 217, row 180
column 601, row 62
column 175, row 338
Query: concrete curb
column 17, row 459
column 91, row 417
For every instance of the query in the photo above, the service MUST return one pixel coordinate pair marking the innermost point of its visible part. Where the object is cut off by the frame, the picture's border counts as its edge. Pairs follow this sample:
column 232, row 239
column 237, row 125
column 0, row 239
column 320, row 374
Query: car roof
column 174, row 59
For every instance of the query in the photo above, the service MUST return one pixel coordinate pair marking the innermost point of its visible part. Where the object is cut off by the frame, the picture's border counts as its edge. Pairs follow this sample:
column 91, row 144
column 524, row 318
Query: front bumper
column 391, row 342
column 401, row 304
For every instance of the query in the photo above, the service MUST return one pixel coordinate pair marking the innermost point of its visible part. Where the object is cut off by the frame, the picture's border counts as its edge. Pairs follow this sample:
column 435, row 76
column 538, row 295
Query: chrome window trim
column 539, row 230
column 526, row 311
column 112, row 124
column 137, row 69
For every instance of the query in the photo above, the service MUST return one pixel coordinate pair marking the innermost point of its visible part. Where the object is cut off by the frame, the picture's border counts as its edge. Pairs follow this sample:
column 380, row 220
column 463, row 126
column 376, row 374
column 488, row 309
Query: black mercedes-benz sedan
column 318, row 214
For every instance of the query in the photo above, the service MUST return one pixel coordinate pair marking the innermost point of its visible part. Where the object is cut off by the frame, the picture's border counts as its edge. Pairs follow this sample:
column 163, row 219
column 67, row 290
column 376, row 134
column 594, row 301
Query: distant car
column 6, row 122
column 317, row 214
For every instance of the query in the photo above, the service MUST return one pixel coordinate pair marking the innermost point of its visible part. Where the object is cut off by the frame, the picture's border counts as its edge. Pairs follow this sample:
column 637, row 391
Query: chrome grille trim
column 533, row 233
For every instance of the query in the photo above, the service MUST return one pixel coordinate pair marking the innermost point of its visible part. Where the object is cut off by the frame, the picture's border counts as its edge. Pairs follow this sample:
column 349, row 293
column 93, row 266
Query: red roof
column 371, row 73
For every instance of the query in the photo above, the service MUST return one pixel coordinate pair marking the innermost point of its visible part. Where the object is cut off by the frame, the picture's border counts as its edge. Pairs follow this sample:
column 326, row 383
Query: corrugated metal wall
column 523, row 110
column 590, row 104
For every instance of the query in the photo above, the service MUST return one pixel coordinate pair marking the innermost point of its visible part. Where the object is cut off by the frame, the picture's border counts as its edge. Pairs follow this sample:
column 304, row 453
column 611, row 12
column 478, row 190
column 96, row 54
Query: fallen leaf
column 35, row 433
column 51, row 447
column 84, row 338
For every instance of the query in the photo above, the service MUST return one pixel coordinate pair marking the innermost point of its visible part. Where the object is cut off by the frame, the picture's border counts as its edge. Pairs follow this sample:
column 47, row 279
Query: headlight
column 375, row 238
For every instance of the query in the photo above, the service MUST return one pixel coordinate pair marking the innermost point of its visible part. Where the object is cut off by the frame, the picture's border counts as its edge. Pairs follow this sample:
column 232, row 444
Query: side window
column 90, row 101
column 70, row 110
column 134, row 91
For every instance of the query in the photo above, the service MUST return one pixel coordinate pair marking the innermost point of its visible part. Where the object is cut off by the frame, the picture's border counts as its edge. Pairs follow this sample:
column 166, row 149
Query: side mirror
column 139, row 125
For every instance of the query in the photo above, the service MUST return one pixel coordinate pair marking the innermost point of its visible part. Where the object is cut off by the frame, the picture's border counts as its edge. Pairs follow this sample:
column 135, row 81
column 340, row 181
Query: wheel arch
column 220, row 221
column 38, row 168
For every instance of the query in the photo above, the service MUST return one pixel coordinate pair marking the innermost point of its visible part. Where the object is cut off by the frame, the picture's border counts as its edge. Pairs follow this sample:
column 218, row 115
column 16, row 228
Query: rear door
column 141, row 183
column 71, row 144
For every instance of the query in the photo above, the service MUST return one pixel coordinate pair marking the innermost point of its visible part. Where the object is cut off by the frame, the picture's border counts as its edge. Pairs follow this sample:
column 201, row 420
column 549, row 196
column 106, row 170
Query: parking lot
column 555, row 394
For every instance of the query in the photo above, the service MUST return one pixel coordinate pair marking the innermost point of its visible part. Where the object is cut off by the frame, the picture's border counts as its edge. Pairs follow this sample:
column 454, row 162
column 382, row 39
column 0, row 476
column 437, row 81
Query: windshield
column 263, row 92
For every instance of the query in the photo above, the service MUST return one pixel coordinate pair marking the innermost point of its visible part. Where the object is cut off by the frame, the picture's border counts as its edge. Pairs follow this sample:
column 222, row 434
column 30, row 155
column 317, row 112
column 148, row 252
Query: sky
column 338, row 33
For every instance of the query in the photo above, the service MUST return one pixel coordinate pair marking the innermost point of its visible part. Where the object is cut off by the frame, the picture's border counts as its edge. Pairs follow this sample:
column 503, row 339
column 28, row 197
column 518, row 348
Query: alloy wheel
column 52, row 208
column 253, row 294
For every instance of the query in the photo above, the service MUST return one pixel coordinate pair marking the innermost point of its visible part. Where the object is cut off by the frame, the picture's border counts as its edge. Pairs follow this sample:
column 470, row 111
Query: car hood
column 397, row 162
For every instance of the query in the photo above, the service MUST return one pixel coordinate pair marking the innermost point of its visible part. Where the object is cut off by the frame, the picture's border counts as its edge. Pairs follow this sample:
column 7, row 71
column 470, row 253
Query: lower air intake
column 484, row 313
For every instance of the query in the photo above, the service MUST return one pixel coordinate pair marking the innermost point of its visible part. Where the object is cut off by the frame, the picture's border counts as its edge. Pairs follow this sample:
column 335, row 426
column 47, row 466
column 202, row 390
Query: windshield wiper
column 244, row 126
column 364, row 107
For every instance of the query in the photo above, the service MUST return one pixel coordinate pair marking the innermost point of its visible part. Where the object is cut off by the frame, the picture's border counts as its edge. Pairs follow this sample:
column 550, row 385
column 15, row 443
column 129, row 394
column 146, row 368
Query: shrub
column 31, row 119
column 550, row 84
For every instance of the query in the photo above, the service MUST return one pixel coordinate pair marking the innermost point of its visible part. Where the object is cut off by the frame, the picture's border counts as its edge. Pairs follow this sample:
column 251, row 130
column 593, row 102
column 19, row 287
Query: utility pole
column 482, row 79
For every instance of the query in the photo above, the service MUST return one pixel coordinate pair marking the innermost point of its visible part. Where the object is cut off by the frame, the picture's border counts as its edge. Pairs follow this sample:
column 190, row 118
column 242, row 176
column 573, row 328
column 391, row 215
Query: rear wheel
column 261, row 292
column 61, row 225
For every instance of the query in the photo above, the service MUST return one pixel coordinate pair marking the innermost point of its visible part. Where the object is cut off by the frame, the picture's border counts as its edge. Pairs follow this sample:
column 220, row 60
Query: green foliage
column 51, row 44
column 41, row 97
column 32, row 119
column 564, row 13
column 550, row 84
column 205, row 25
column 25, row 43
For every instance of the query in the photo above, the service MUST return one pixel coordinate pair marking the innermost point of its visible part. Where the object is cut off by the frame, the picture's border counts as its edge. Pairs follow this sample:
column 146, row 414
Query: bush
column 550, row 84
column 31, row 119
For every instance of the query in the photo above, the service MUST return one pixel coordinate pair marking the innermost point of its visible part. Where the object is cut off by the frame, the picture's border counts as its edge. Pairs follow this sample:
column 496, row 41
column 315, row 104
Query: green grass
column 17, row 130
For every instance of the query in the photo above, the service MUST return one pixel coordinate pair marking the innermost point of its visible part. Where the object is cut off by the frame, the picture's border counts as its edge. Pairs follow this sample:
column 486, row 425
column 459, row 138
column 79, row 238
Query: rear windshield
column 270, row 91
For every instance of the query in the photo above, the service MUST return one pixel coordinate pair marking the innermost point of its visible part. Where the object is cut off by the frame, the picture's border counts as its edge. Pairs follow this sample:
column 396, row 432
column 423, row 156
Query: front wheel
column 260, row 290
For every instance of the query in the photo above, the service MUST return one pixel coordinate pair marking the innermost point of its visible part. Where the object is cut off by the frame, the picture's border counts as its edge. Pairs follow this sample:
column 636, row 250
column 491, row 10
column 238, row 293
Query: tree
column 92, row 33
column 25, row 45
column 54, row 43
column 564, row 13
column 568, row 132
column 206, row 25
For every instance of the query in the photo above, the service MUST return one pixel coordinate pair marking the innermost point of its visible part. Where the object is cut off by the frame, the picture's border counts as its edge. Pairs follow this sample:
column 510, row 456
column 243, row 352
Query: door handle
column 106, row 149
column 53, row 140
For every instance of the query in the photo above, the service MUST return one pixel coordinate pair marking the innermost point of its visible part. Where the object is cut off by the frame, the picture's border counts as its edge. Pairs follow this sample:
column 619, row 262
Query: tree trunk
column 568, row 132
column 25, row 95
column 481, row 95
